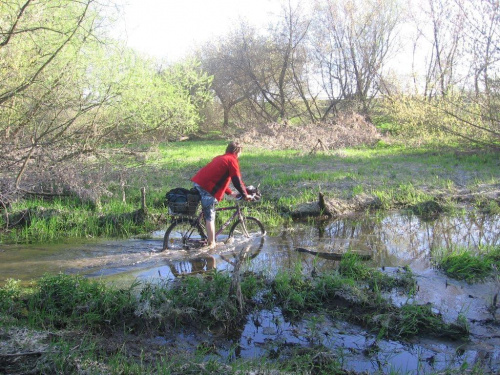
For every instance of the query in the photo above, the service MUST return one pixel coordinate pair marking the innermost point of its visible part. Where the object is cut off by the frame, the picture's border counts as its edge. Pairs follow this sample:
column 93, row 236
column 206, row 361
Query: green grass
column 64, row 301
column 354, row 293
column 397, row 175
column 83, row 308
column 469, row 265
column 202, row 302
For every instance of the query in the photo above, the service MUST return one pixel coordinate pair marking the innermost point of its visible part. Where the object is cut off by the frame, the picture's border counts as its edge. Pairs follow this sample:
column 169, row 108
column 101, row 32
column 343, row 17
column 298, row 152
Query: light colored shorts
column 208, row 203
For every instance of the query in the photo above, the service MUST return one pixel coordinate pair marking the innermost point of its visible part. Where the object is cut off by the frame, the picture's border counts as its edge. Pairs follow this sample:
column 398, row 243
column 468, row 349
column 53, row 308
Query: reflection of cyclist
column 192, row 266
column 212, row 181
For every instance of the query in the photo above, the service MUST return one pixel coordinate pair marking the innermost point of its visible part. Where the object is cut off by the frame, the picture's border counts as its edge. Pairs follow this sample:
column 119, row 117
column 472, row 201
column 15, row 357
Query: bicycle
column 188, row 232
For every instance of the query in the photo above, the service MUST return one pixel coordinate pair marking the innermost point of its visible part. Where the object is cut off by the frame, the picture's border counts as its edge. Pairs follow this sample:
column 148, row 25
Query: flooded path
column 393, row 240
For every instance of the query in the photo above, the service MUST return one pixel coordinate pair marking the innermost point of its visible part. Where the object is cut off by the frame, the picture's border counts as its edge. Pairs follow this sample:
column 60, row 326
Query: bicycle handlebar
column 253, row 197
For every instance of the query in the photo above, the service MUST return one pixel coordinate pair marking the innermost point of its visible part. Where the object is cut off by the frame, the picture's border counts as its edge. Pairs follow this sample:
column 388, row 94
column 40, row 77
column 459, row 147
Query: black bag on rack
column 183, row 201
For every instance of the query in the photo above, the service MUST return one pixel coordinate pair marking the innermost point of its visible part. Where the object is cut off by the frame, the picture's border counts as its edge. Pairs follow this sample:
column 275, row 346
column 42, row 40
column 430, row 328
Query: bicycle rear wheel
column 250, row 227
column 184, row 234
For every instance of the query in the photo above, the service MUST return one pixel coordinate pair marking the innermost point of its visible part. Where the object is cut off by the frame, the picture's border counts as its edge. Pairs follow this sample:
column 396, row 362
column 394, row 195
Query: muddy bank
column 344, row 326
column 335, row 208
column 331, row 208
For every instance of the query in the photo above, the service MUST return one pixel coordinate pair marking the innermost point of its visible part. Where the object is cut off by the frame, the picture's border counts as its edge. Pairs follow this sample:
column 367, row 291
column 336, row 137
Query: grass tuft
column 465, row 264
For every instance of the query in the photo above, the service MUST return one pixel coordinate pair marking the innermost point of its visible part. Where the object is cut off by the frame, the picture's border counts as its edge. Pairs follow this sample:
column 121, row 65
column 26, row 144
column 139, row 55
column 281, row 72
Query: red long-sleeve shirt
column 216, row 175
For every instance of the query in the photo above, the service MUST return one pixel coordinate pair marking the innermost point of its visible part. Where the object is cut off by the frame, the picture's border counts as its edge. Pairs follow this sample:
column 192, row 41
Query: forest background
column 77, row 106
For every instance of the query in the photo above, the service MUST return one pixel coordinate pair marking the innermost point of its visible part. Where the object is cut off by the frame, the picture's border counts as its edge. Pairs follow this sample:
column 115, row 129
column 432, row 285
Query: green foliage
column 350, row 267
column 64, row 301
column 448, row 120
column 166, row 102
column 10, row 294
column 464, row 264
column 203, row 301
column 43, row 74
column 293, row 291
column 67, row 91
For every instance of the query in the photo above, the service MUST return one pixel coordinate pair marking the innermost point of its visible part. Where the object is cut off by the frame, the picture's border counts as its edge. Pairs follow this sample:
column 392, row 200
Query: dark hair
column 233, row 147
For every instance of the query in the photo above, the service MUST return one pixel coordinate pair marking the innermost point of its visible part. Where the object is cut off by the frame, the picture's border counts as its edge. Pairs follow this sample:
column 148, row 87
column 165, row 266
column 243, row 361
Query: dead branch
column 321, row 145
column 331, row 256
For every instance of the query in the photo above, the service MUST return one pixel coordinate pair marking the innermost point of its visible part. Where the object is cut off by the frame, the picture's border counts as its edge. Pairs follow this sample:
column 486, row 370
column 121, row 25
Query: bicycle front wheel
column 249, row 227
column 184, row 234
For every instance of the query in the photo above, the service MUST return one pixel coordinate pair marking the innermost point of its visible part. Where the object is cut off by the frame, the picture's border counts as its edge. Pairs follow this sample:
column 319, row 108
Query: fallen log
column 331, row 256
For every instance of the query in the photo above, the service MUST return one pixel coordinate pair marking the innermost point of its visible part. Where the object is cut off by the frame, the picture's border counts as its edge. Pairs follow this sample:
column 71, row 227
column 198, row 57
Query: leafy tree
column 41, row 102
column 225, row 60
column 65, row 89
column 156, row 102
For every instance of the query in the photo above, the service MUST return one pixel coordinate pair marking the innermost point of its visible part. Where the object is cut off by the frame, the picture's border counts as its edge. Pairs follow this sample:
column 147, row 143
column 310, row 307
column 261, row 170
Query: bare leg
column 210, row 225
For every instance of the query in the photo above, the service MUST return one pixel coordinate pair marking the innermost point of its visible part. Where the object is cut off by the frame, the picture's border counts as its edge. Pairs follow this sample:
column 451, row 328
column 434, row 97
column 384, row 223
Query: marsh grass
column 64, row 301
column 397, row 175
column 75, row 304
column 196, row 301
column 71, row 356
column 355, row 293
column 470, row 265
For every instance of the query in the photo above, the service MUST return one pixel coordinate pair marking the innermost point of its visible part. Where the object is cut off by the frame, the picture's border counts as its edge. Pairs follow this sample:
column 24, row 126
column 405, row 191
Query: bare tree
column 289, row 36
column 269, row 64
column 446, row 25
column 352, row 46
column 481, row 37
column 225, row 60
column 255, row 72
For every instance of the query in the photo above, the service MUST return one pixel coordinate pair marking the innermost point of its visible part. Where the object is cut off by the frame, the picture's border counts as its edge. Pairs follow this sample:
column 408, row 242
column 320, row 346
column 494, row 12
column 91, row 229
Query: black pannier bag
column 182, row 201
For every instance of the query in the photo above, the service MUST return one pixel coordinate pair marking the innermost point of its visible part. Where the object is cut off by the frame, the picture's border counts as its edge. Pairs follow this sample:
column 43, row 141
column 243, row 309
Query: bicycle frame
column 189, row 232
column 236, row 213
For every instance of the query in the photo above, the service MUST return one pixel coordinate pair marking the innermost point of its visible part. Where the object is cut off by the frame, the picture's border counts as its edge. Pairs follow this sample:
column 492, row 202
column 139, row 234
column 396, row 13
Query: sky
column 169, row 29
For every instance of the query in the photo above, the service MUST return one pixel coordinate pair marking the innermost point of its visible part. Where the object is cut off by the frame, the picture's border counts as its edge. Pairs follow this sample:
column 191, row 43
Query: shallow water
column 392, row 240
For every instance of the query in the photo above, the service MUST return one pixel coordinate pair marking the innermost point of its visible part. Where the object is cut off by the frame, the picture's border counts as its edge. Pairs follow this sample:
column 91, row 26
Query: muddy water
column 392, row 240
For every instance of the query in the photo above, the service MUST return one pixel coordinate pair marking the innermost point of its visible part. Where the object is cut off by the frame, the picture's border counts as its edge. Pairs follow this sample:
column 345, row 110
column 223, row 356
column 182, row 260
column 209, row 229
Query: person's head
column 234, row 148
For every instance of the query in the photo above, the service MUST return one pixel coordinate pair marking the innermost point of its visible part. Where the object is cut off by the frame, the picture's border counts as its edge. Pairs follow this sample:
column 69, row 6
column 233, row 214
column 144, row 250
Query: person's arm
column 238, row 184
column 234, row 172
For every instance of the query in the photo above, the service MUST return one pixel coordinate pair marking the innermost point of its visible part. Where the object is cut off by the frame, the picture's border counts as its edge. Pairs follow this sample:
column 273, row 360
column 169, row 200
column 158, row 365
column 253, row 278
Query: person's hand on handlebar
column 246, row 197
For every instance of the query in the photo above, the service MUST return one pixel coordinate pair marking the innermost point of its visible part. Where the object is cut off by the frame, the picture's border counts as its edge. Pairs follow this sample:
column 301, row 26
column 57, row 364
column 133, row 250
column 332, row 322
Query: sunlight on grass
column 469, row 264
column 398, row 176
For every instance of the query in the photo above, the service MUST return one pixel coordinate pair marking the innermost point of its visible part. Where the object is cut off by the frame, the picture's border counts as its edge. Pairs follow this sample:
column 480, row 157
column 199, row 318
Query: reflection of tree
column 470, row 230
column 399, row 236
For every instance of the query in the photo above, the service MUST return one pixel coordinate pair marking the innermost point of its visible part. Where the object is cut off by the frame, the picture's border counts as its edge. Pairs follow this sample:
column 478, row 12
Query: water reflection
column 397, row 239
column 267, row 333
column 391, row 239
column 193, row 266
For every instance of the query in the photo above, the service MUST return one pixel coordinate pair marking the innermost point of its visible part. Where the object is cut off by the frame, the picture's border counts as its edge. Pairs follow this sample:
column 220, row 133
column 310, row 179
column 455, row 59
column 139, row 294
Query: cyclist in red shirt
column 212, row 181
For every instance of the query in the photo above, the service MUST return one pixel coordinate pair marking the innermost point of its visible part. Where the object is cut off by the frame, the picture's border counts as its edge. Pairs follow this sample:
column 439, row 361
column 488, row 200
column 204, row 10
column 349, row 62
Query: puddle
column 360, row 350
column 393, row 240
